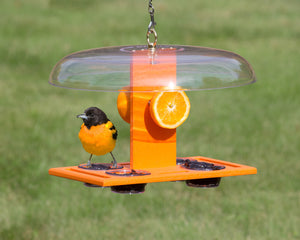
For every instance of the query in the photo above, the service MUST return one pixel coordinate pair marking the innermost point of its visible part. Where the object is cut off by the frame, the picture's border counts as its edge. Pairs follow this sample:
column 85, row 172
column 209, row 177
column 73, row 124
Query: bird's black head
column 93, row 116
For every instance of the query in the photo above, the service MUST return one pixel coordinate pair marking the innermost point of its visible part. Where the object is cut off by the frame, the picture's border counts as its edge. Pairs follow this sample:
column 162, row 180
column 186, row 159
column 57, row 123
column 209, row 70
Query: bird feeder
column 140, row 72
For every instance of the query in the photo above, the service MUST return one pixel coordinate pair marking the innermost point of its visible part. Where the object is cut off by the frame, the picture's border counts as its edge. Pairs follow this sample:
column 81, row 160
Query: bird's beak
column 83, row 116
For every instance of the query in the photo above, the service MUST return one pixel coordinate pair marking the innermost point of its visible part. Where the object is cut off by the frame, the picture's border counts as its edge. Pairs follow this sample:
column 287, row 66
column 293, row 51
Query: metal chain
column 151, row 27
column 151, row 12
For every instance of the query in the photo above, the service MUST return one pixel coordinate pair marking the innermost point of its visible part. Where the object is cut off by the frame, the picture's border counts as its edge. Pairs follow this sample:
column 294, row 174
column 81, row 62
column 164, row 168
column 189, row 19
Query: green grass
column 256, row 125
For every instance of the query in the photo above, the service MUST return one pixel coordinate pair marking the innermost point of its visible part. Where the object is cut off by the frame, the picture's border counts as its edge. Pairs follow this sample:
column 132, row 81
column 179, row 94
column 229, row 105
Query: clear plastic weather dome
column 109, row 69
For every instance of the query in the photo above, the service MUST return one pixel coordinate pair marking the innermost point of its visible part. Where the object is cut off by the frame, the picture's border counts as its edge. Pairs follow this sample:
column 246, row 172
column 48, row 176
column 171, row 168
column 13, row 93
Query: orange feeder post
column 150, row 145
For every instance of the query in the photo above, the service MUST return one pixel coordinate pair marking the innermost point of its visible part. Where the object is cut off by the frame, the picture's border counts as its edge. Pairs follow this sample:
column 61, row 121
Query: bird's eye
column 92, row 115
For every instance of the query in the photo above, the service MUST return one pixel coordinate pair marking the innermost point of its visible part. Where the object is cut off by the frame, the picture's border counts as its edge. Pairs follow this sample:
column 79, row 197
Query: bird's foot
column 114, row 164
column 89, row 164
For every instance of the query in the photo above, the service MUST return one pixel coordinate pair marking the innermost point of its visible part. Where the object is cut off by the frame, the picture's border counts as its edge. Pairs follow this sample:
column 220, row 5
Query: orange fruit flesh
column 170, row 109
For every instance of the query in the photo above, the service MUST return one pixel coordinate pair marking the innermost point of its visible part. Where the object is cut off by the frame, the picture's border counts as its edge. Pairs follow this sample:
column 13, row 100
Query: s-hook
column 151, row 27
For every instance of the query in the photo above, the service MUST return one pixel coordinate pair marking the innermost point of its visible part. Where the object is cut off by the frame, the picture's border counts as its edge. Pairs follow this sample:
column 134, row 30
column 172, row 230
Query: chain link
column 151, row 12
column 151, row 27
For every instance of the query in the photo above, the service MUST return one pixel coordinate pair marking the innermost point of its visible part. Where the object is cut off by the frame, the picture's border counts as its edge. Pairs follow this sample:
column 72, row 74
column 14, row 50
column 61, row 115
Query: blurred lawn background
column 257, row 125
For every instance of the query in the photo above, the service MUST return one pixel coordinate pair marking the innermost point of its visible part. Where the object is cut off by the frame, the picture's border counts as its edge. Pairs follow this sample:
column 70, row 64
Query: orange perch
column 160, row 174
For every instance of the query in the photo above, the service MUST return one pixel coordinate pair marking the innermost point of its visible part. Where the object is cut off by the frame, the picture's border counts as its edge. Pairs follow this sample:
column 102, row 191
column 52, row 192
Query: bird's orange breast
column 98, row 140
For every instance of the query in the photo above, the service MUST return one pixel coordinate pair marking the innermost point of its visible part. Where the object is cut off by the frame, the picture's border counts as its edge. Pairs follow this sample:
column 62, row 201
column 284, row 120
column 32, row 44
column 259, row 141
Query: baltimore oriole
column 97, row 134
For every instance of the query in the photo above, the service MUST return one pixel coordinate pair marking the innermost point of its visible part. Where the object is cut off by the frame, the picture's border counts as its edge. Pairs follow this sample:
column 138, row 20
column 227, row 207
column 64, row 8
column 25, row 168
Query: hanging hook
column 151, row 27
column 151, row 45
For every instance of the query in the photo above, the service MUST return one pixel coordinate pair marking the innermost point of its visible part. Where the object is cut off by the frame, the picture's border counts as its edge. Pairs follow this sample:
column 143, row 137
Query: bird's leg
column 114, row 162
column 89, row 162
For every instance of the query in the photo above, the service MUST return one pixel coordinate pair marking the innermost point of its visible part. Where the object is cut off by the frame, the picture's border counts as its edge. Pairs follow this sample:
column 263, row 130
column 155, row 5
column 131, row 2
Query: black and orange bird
column 97, row 134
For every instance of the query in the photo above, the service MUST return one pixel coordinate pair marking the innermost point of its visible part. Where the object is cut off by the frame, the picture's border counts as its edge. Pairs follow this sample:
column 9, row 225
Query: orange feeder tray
column 159, row 174
column 152, row 148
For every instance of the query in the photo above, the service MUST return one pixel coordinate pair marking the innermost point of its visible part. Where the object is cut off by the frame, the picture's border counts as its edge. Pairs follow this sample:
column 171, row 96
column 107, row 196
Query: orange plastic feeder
column 142, row 72
column 152, row 148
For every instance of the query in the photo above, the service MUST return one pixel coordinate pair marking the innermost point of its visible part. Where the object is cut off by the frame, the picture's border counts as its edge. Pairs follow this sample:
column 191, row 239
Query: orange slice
column 123, row 104
column 170, row 109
